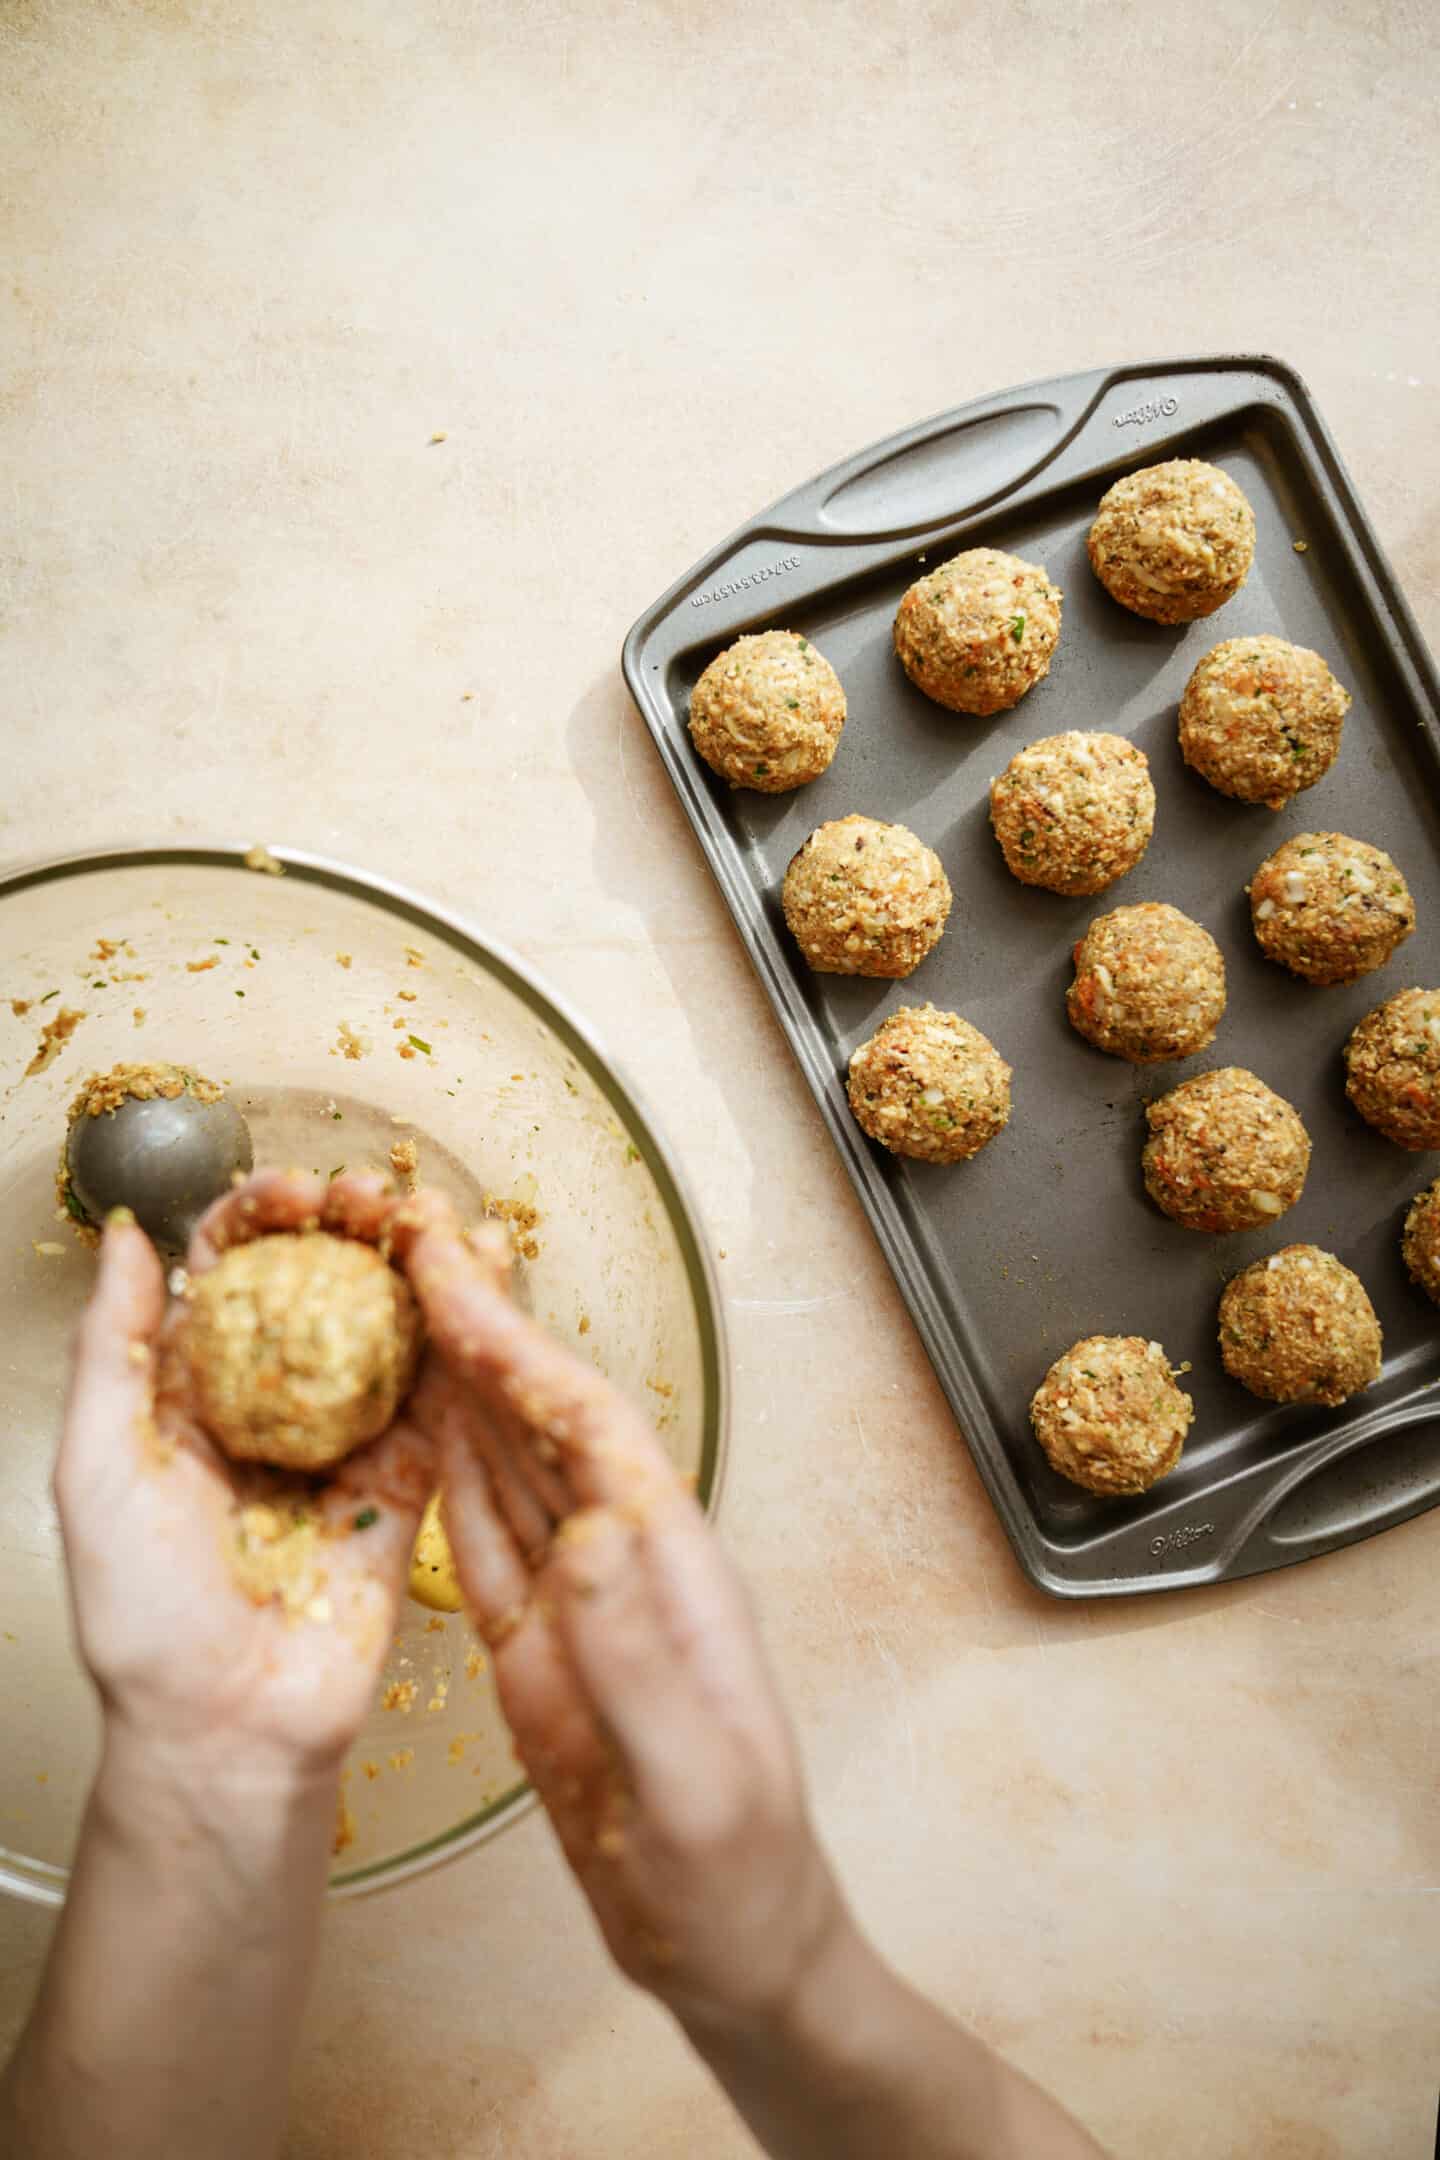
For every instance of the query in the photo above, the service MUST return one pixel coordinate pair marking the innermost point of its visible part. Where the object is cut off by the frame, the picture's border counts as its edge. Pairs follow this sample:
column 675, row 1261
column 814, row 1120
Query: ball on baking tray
column 1111, row 1415
column 1392, row 1068
column 1173, row 541
column 1225, row 1152
column 979, row 631
column 1149, row 984
column 1329, row 908
column 1421, row 1242
column 1074, row 812
column 865, row 898
column 1260, row 719
column 767, row 712
column 1299, row 1327
column 929, row 1085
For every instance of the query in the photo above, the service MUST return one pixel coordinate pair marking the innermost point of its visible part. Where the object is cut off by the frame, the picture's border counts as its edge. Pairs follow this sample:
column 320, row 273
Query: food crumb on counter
column 405, row 1161
column 435, row 1625
column 402, row 1758
column 474, row 1664
column 442, row 1689
column 409, row 996
column 661, row 1387
column 1301, row 547
column 47, row 1248
column 260, row 858
column 138, row 1015
column 400, row 1695
column 584, row 1323
column 344, row 959
column 413, row 956
column 53, row 1038
column 371, row 1770
column 438, row 437
column 199, row 967
column 20, row 1006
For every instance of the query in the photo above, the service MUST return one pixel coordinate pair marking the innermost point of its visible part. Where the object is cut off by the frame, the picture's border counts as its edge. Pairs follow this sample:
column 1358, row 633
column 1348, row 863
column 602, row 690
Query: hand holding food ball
column 268, row 1608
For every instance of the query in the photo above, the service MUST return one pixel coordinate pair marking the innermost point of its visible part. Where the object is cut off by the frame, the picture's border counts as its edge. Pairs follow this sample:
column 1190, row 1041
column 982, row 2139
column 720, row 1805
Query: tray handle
column 1374, row 1476
column 943, row 470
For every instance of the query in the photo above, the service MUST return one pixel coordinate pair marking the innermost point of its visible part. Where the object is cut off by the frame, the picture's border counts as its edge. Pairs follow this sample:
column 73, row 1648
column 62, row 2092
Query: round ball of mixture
column 767, row 713
column 1074, row 812
column 1392, row 1067
column 1260, row 719
column 1421, row 1242
column 1149, row 984
column 1173, row 541
column 1329, row 908
column 1110, row 1415
column 1299, row 1327
column 979, row 632
column 929, row 1085
column 1225, row 1152
column 865, row 898
column 300, row 1347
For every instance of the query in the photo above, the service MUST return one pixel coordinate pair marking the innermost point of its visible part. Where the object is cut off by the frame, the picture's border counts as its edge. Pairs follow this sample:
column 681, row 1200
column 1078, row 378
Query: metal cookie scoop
column 164, row 1159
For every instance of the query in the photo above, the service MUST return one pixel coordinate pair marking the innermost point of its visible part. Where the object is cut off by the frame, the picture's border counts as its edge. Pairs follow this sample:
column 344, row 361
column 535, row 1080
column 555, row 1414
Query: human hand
column 152, row 1513
column 625, row 1654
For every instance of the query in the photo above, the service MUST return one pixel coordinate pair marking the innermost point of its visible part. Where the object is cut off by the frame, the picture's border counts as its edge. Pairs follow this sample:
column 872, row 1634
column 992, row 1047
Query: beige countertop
column 645, row 267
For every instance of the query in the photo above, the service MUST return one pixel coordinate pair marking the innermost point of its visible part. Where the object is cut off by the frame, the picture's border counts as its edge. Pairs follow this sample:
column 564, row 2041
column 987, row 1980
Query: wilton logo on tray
column 743, row 584
column 1162, row 408
column 1177, row 1540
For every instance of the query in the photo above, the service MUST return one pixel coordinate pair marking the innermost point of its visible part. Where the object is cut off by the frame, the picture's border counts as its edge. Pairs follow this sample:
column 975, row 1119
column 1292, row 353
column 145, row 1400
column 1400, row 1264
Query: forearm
column 166, row 2019
column 859, row 2064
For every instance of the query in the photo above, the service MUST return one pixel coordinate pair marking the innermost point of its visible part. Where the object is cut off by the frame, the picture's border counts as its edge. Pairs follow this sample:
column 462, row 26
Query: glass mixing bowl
column 343, row 1013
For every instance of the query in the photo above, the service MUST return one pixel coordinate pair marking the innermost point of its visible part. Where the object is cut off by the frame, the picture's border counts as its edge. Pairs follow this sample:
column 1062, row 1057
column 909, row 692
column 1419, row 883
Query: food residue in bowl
column 53, row 1038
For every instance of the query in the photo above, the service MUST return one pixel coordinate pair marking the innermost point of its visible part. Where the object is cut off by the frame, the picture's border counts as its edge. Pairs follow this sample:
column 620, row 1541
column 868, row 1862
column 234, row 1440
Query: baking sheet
column 1047, row 1235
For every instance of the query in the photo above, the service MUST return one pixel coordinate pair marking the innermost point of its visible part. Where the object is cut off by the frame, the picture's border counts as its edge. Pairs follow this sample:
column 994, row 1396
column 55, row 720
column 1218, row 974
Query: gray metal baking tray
column 1047, row 1235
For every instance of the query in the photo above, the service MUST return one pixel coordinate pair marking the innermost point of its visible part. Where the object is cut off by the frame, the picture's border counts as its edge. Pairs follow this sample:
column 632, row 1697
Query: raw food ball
column 979, row 632
column 865, row 898
column 1421, row 1242
column 301, row 1347
column 1149, row 984
column 1074, row 812
column 433, row 1580
column 1260, row 719
column 1173, row 541
column 1299, row 1327
column 1329, row 908
column 1392, row 1064
column 929, row 1085
column 1110, row 1415
column 1225, row 1152
column 767, row 713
